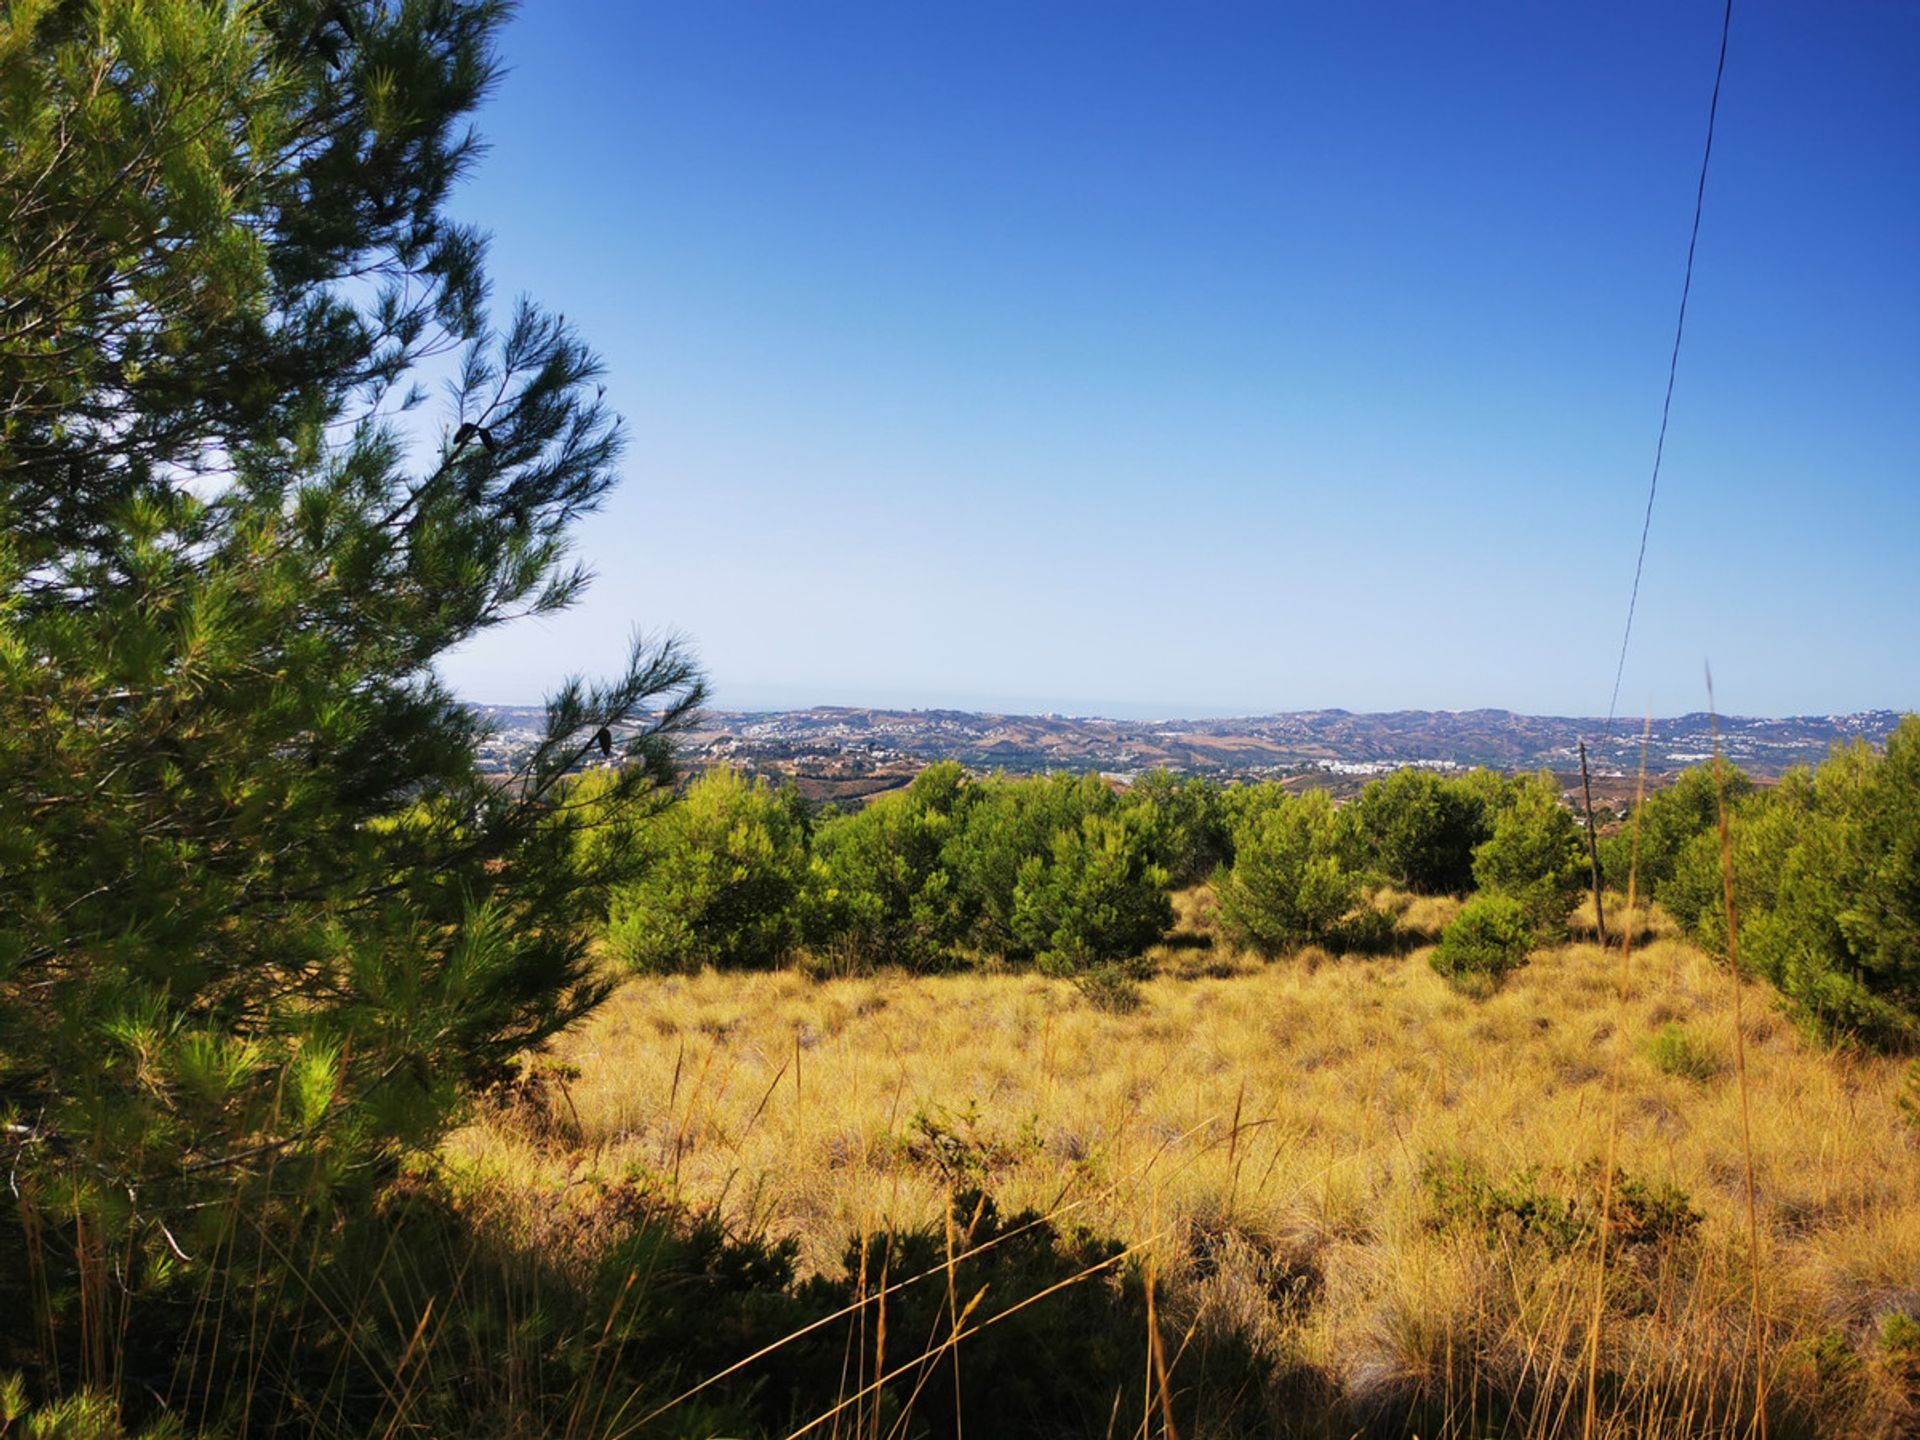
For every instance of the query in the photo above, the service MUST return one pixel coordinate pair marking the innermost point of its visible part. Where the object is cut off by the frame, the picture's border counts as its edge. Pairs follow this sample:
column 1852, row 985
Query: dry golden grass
column 1267, row 1128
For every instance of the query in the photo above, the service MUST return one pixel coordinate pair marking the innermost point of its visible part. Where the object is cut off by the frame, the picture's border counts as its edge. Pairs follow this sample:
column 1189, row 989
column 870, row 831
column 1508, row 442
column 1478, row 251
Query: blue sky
column 1226, row 358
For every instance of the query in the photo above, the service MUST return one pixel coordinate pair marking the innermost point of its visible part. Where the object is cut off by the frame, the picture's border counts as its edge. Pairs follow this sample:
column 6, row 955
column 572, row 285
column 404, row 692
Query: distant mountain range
column 845, row 752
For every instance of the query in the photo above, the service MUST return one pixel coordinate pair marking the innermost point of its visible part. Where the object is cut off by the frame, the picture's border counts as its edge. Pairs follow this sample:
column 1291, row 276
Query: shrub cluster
column 1295, row 876
column 719, row 879
column 1826, row 884
column 1061, row 871
column 1066, row 873
column 1301, row 869
column 1559, row 1218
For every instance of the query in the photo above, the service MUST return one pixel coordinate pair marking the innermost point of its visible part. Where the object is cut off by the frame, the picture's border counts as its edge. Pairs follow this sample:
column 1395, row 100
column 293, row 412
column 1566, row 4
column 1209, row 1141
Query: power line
column 1673, row 363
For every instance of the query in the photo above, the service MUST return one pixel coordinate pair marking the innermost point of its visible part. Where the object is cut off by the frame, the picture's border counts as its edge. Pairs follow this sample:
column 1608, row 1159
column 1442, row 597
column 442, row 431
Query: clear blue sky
column 1223, row 358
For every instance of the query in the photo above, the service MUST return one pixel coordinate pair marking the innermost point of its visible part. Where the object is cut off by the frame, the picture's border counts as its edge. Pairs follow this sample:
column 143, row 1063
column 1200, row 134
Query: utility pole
column 1593, row 851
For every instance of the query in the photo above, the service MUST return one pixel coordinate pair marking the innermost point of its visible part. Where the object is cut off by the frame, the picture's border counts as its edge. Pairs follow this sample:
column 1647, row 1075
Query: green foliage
column 1535, row 853
column 1908, row 1099
column 264, row 921
column 1054, row 869
column 961, row 1147
column 1897, row 1354
column 1491, row 936
column 1900, row 1333
column 1463, row 1195
column 1762, row 826
column 1667, row 823
column 721, row 876
column 1420, row 831
column 1240, row 805
column 1675, row 1050
column 1196, row 833
column 1003, row 825
column 85, row 1416
column 1826, row 889
column 1291, row 883
column 1114, row 985
column 880, row 892
column 1099, row 897
column 1493, row 791
column 1522, row 1210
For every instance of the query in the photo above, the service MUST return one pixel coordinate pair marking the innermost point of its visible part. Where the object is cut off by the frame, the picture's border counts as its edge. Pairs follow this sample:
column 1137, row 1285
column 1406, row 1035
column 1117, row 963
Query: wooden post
column 1593, row 851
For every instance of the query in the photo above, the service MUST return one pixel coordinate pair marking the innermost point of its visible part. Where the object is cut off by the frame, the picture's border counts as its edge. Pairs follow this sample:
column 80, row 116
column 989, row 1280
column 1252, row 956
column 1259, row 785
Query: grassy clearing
column 1270, row 1135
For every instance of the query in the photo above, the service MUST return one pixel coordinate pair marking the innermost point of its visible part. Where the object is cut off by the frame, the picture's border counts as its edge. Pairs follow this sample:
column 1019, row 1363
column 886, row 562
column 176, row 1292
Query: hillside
column 845, row 753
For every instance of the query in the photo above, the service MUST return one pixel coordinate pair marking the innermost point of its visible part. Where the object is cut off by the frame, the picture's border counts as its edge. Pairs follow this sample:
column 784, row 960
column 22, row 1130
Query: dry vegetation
column 1271, row 1136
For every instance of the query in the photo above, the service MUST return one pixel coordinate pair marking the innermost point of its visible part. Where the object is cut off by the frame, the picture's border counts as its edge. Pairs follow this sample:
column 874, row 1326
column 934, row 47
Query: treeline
column 1067, row 874
column 1825, row 874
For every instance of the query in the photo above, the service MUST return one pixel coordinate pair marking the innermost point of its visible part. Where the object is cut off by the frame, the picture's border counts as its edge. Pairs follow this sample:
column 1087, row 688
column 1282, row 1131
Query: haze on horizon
column 1233, row 360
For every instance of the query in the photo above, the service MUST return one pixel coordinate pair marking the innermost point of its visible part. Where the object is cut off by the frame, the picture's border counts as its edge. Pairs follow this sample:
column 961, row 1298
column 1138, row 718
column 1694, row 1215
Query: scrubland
column 1388, row 1191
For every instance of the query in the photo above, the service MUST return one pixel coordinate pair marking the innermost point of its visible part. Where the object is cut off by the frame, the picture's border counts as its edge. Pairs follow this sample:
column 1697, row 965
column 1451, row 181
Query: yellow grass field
column 1262, row 1133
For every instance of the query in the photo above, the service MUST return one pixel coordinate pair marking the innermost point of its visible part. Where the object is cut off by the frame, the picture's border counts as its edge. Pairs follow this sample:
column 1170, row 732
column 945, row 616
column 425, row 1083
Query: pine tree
column 263, row 918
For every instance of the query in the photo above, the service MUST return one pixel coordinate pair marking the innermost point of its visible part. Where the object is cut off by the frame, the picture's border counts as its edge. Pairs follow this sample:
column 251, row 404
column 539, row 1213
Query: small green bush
column 720, row 880
column 1291, row 883
column 1535, row 852
column 999, row 826
column 880, row 892
column 1900, row 1341
column 1644, row 1212
column 1096, row 898
column 1826, row 890
column 1668, row 822
column 1675, row 1050
column 1114, row 985
column 1368, row 931
column 1489, row 937
column 1420, row 831
column 1521, row 1209
column 1465, row 1196
column 1194, row 834
column 1908, row 1100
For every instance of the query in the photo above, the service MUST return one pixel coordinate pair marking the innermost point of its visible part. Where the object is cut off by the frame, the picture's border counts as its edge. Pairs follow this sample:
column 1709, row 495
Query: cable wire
column 1673, row 363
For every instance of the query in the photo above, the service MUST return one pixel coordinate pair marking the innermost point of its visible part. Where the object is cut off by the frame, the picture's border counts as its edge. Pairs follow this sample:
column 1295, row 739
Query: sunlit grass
column 1266, row 1129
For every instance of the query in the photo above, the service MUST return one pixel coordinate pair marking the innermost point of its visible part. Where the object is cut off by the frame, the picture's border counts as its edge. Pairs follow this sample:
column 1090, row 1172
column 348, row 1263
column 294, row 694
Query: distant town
column 848, row 754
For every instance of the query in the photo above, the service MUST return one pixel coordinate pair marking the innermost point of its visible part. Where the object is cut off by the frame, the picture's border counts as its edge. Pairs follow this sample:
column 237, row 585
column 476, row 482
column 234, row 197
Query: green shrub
column 1520, row 1209
column 86, row 1416
column 1667, row 822
column 1762, row 826
column 267, row 918
column 1291, row 883
column 1114, row 985
column 1826, row 869
column 879, row 892
column 1488, row 938
column 1899, row 1346
column 1195, row 835
column 1056, row 869
column 1908, row 1100
column 1100, row 896
column 1534, row 854
column 1368, row 931
column 1420, row 831
column 720, row 881
column 1675, row 1050
column 1463, row 1195
column 1003, row 825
